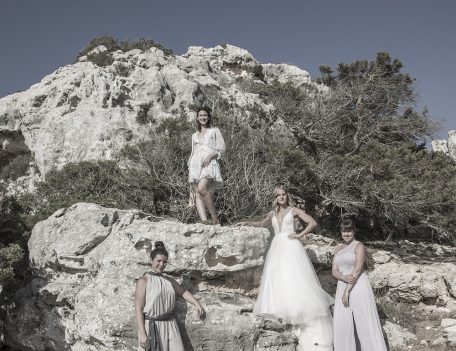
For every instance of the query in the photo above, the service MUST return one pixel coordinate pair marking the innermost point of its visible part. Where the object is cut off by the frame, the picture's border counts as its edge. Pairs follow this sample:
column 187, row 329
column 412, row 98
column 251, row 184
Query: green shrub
column 356, row 149
column 252, row 166
column 16, row 167
column 112, row 45
column 9, row 256
column 101, row 59
column 101, row 182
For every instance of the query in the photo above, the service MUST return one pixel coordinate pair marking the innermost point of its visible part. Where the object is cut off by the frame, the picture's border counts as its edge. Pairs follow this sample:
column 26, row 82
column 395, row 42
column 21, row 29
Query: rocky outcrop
column 398, row 337
column 449, row 329
column 86, row 259
column 86, row 112
column 413, row 273
column 446, row 146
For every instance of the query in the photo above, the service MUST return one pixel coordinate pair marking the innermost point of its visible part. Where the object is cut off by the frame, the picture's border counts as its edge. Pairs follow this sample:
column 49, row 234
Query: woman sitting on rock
column 204, row 171
column 155, row 296
column 355, row 311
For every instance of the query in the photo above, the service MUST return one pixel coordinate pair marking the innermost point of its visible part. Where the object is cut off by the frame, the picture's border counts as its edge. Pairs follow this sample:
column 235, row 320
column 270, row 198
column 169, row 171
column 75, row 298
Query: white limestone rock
column 89, row 258
column 86, row 112
column 381, row 256
column 398, row 337
column 412, row 282
column 448, row 322
column 446, row 146
column 86, row 260
column 286, row 73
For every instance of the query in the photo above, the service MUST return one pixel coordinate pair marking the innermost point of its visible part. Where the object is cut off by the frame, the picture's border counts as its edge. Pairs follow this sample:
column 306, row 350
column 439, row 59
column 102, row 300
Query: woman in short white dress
column 208, row 146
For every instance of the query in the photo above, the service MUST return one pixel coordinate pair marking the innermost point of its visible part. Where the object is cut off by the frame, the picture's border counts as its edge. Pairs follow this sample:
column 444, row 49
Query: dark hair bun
column 159, row 245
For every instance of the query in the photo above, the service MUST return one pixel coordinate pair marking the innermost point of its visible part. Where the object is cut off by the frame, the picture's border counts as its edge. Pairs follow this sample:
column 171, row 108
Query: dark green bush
column 102, row 58
column 16, row 167
column 252, row 166
column 101, row 182
column 9, row 257
column 112, row 45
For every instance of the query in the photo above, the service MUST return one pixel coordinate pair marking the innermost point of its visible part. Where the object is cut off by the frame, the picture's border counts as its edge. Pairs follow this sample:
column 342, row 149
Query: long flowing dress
column 211, row 141
column 290, row 290
column 361, row 317
column 160, row 299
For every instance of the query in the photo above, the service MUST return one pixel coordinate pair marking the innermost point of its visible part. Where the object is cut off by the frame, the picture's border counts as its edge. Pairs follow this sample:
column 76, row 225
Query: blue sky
column 37, row 37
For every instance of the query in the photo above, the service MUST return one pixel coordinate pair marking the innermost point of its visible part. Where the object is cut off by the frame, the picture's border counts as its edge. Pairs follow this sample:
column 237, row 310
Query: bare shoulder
column 296, row 211
column 360, row 247
column 141, row 281
column 270, row 214
column 338, row 248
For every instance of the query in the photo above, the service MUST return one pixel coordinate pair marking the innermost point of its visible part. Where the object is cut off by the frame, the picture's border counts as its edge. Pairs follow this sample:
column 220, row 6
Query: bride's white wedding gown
column 290, row 290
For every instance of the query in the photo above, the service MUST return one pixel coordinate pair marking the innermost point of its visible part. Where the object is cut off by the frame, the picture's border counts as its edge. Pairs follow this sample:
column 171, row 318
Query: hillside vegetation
column 356, row 148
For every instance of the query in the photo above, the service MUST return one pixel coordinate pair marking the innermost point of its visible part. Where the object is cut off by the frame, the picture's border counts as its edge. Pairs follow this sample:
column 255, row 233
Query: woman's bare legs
column 200, row 207
column 204, row 200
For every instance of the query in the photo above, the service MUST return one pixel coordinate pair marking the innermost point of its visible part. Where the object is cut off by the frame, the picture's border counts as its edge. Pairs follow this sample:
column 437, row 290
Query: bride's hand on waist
column 293, row 236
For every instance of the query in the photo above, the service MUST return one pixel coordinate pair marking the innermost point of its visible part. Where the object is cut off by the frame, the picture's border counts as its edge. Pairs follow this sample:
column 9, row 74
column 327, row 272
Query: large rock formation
column 86, row 259
column 446, row 146
column 86, row 112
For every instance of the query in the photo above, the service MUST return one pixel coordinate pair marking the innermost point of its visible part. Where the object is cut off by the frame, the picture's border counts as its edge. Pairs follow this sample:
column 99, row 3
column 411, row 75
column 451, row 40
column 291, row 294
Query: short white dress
column 211, row 141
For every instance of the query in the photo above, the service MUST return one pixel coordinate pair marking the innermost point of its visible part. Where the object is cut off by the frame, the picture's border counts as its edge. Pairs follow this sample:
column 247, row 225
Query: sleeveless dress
column 290, row 290
column 212, row 141
column 361, row 317
column 160, row 299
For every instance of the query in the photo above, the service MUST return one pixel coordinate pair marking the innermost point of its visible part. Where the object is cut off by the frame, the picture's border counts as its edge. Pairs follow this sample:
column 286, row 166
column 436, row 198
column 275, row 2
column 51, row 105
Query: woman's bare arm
column 360, row 252
column 140, row 300
column 265, row 222
column 187, row 296
column 311, row 223
column 347, row 278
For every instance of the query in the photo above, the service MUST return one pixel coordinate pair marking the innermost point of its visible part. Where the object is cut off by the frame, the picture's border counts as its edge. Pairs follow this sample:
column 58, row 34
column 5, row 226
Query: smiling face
column 348, row 235
column 203, row 118
column 158, row 263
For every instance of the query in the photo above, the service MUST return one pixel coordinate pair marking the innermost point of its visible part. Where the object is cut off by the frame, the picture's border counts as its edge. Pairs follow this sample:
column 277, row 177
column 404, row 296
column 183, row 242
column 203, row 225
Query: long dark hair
column 198, row 125
column 159, row 250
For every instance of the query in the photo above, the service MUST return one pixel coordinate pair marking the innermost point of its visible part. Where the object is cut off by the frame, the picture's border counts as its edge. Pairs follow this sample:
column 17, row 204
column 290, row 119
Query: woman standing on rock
column 208, row 146
column 290, row 289
column 155, row 296
column 356, row 322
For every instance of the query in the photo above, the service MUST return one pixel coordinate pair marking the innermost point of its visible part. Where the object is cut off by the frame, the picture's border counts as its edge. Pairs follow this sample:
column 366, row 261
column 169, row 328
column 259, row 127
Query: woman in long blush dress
column 289, row 288
column 356, row 323
column 208, row 147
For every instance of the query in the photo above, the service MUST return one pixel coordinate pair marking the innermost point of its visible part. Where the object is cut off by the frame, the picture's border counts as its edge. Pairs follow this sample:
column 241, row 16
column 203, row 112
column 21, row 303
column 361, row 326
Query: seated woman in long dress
column 355, row 311
column 289, row 288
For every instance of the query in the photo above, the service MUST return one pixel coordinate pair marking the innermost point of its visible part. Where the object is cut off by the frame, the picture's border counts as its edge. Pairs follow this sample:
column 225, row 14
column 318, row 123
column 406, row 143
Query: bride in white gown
column 289, row 287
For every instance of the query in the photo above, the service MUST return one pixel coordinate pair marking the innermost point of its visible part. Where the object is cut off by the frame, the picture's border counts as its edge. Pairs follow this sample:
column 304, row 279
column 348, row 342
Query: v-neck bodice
column 201, row 138
column 287, row 225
